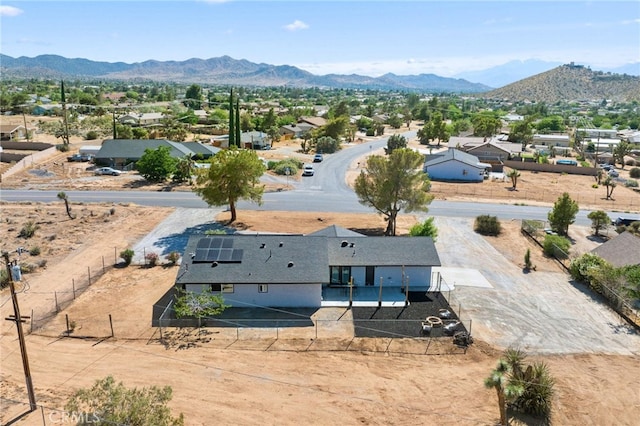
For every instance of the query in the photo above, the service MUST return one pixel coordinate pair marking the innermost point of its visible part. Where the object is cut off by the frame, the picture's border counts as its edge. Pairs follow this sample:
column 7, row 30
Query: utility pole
column 18, row 320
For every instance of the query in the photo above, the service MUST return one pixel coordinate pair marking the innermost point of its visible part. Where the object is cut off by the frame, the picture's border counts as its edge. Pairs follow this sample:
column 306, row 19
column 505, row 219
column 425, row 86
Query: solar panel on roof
column 225, row 255
column 227, row 243
column 203, row 243
column 216, row 243
column 201, row 255
column 236, row 256
column 213, row 255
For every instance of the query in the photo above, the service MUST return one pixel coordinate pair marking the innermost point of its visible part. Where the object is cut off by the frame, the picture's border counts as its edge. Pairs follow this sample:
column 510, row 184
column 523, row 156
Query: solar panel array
column 221, row 250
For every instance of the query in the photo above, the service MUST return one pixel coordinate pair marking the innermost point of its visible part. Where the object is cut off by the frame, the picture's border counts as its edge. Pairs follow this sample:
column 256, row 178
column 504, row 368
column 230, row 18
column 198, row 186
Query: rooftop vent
column 352, row 245
column 214, row 264
column 263, row 245
column 344, row 244
column 290, row 265
column 281, row 244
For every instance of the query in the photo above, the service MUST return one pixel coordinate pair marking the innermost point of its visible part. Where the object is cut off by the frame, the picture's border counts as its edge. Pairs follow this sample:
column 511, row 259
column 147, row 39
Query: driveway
column 540, row 312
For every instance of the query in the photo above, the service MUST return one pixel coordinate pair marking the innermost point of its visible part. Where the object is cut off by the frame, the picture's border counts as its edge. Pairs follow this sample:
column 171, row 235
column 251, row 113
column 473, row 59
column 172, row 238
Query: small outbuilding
column 455, row 165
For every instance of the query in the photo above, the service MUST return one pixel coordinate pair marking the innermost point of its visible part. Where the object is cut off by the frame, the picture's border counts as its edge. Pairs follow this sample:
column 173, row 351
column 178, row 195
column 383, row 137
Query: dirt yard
column 251, row 378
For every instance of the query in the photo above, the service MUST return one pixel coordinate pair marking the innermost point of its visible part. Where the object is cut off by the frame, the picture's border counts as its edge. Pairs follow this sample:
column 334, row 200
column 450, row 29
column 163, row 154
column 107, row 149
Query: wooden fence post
column 55, row 296
column 73, row 286
column 111, row 324
column 66, row 316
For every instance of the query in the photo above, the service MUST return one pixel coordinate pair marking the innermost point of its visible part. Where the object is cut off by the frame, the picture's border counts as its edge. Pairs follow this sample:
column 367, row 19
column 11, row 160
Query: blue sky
column 364, row 37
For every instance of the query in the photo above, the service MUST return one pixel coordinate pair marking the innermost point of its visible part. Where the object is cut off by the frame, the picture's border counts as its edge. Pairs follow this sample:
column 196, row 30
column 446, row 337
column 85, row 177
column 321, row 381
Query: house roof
column 314, row 121
column 200, row 148
column 453, row 154
column 295, row 259
column 134, row 148
column 10, row 128
column 620, row 251
column 494, row 145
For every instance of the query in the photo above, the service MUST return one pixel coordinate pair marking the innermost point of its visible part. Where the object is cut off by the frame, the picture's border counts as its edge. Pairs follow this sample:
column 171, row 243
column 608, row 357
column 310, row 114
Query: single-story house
column 622, row 250
column 332, row 267
column 597, row 133
column 492, row 152
column 600, row 144
column 146, row 119
column 46, row 109
column 291, row 131
column 314, row 121
column 551, row 140
column 455, row 165
column 11, row 132
column 119, row 153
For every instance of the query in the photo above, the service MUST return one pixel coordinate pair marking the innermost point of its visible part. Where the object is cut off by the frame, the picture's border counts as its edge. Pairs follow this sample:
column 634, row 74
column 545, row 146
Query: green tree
column 123, row 131
column 487, row 225
column 394, row 184
column 620, row 151
column 234, row 174
column 193, row 97
column 63, row 196
column 521, row 132
column 232, row 122
column 506, row 389
column 486, row 124
column 425, row 229
column 554, row 123
column 395, row 141
column 563, row 214
column 156, row 165
column 327, row 145
column 599, row 220
column 185, row 168
column 198, row 305
column 109, row 403
column 513, row 174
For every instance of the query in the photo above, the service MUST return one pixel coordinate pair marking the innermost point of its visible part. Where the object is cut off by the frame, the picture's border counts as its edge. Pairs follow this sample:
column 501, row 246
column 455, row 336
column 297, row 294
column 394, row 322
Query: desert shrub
column 41, row 263
column 631, row 183
column 635, row 173
column 112, row 211
column 151, row 258
column 51, row 237
column 595, row 186
column 34, row 251
column 26, row 268
column 28, row 230
column 370, row 132
column 487, row 225
column 173, row 258
column 327, row 145
column 127, row 256
column 553, row 242
column 4, row 278
column 425, row 229
column 630, row 162
column 91, row 135
column 292, row 165
column 62, row 147
column 215, row 232
column 590, row 269
column 271, row 164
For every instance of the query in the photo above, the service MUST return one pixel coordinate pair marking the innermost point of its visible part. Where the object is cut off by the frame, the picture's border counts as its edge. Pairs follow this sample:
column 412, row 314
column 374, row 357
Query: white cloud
column 296, row 25
column 10, row 11
column 631, row 21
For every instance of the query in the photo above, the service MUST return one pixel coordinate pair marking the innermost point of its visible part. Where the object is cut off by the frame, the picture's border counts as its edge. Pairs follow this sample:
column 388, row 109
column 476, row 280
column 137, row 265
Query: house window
column 340, row 274
column 263, row 288
column 222, row 288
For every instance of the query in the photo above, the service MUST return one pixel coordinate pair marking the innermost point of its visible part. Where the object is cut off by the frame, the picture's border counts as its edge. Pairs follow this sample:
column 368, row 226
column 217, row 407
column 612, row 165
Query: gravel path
column 541, row 312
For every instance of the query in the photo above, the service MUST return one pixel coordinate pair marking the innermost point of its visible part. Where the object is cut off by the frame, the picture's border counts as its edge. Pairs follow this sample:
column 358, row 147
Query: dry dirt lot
column 256, row 378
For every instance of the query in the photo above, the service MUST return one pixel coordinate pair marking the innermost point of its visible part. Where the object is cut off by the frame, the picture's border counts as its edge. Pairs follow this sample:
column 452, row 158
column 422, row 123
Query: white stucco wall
column 455, row 170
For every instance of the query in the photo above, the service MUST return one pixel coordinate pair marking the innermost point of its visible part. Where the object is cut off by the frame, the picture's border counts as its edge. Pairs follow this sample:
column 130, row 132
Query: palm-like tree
column 514, row 174
column 63, row 196
column 506, row 388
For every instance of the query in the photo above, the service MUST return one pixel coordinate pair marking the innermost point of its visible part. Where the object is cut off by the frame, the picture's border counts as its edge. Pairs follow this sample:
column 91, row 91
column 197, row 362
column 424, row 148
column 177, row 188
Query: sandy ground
column 258, row 376
column 294, row 377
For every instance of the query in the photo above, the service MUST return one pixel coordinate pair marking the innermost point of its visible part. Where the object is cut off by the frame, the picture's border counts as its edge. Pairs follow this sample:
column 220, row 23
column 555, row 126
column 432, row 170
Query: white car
column 307, row 170
column 108, row 171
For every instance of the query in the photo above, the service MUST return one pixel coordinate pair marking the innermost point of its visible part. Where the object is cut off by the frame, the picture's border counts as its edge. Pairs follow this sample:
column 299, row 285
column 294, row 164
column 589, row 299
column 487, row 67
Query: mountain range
column 517, row 80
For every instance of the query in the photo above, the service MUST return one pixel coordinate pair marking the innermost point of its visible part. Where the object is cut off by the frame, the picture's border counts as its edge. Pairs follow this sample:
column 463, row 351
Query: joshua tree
column 610, row 185
column 62, row 196
column 514, row 175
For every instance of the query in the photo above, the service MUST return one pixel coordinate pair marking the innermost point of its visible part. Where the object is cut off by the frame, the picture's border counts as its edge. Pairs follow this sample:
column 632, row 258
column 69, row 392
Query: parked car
column 317, row 158
column 613, row 173
column 108, row 171
column 86, row 157
column 307, row 170
column 74, row 157
column 606, row 167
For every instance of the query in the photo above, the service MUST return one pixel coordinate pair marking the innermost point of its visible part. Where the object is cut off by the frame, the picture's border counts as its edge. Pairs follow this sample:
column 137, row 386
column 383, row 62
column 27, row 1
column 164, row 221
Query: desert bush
column 51, row 237
column 41, row 263
column 215, row 232
column 28, row 230
column 630, row 162
column 62, row 147
column 173, row 258
column 635, row 173
column 595, row 186
column 487, row 225
column 91, row 135
column 4, row 278
column 551, row 242
column 151, row 258
column 631, row 183
column 112, row 211
column 127, row 256
column 34, row 251
column 27, row 268
column 293, row 165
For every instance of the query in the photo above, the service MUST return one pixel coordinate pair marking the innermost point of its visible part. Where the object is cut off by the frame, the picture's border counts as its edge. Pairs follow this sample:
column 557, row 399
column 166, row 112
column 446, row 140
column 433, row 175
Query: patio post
column 380, row 292
column 406, row 292
column 350, row 291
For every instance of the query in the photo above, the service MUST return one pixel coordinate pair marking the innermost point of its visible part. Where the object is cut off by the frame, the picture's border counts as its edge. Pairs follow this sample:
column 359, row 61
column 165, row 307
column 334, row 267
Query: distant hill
column 223, row 71
column 568, row 83
column 508, row 73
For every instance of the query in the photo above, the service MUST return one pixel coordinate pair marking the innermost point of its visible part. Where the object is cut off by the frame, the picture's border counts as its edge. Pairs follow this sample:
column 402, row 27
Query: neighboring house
column 314, row 121
column 456, row 165
column 291, row 131
column 119, row 153
column 600, row 144
column 332, row 267
column 203, row 117
column 146, row 119
column 12, row 132
column 598, row 133
column 255, row 140
column 48, row 109
column 493, row 153
column 551, row 140
column 620, row 251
